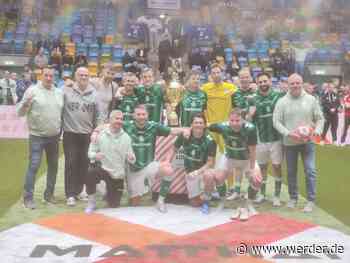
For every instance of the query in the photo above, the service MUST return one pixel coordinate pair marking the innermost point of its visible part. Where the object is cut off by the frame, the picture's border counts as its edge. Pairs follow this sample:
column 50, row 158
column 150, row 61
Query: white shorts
column 194, row 185
column 269, row 151
column 227, row 164
column 136, row 180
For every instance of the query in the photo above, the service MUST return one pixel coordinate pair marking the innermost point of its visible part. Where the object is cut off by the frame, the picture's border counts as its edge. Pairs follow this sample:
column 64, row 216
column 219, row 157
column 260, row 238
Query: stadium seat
column 93, row 69
column 19, row 46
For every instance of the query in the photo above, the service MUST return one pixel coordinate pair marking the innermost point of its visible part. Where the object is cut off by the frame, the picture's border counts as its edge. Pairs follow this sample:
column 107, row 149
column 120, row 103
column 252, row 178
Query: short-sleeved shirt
column 153, row 98
column 127, row 105
column 263, row 118
column 243, row 99
column 196, row 150
column 144, row 141
column 191, row 104
column 236, row 143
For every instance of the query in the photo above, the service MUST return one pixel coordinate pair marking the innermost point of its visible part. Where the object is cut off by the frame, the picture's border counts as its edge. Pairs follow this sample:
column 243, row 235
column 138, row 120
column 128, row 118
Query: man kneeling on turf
column 240, row 154
column 108, row 155
column 199, row 159
column 143, row 172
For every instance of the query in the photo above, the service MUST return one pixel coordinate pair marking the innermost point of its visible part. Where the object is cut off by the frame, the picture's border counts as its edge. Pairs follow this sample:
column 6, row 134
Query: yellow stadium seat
column 93, row 69
column 109, row 39
column 70, row 49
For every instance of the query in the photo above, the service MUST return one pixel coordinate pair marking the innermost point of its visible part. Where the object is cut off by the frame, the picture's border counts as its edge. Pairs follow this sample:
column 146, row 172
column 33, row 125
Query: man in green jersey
column 269, row 140
column 127, row 100
column 194, row 100
column 242, row 99
column 143, row 172
column 240, row 154
column 199, row 159
column 151, row 95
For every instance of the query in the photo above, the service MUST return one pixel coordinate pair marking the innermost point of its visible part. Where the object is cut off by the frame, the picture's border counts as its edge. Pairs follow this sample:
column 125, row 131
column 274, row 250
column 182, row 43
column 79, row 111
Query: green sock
column 221, row 189
column 263, row 186
column 164, row 188
column 238, row 189
column 278, row 186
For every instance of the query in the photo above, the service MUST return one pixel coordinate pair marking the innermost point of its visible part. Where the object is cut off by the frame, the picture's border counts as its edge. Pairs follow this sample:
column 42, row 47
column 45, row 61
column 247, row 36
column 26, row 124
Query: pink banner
column 11, row 126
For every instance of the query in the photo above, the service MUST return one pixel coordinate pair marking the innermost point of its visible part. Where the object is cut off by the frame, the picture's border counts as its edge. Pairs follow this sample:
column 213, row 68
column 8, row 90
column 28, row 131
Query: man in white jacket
column 108, row 156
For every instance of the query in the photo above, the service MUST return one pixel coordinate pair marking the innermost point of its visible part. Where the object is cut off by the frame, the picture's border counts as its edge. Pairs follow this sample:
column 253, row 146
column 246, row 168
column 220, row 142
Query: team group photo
column 174, row 131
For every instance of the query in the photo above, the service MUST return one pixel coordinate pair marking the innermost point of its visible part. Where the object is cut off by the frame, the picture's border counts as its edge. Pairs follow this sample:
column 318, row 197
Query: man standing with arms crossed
column 42, row 104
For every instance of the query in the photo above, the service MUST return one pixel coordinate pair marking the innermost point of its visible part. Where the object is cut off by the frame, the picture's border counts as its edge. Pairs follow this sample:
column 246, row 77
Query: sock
column 164, row 189
column 237, row 189
column 221, row 189
column 251, row 193
column 278, row 186
column 263, row 186
column 230, row 181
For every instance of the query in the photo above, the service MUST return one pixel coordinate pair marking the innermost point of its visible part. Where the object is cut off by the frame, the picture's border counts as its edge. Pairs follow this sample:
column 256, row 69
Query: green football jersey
column 196, row 150
column 236, row 143
column 144, row 141
column 263, row 118
column 153, row 98
column 243, row 99
column 127, row 105
column 192, row 103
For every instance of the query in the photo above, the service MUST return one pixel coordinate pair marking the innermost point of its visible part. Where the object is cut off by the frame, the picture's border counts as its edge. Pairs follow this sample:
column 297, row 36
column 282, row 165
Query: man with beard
column 127, row 100
column 243, row 98
column 269, row 145
column 240, row 154
column 106, row 89
column 144, row 171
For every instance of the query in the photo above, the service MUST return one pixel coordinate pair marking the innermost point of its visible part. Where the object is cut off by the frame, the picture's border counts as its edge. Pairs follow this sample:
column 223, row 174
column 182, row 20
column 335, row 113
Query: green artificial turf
column 332, row 184
column 14, row 161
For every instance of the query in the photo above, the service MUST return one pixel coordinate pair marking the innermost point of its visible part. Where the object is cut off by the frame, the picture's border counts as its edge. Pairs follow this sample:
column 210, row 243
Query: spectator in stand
column 80, row 61
column 23, row 84
column 346, row 104
column 56, row 60
column 330, row 102
column 7, row 90
column 41, row 60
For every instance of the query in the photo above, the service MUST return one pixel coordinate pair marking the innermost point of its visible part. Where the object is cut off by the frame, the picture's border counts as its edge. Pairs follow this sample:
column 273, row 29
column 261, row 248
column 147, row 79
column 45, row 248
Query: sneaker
column 235, row 214
column 259, row 199
column 230, row 192
column 276, row 202
column 204, row 208
column 50, row 200
column 252, row 211
column 308, row 207
column 82, row 197
column 161, row 207
column 233, row 196
column 292, row 203
column 29, row 203
column 91, row 206
column 215, row 196
column 71, row 201
column 243, row 214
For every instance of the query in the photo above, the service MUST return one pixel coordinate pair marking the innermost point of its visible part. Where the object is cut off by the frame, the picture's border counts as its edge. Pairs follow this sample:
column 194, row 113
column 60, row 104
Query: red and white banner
column 11, row 126
column 163, row 147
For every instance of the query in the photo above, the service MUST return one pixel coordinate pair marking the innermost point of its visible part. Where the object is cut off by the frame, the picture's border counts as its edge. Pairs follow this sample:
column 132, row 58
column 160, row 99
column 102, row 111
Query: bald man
column 296, row 109
column 79, row 120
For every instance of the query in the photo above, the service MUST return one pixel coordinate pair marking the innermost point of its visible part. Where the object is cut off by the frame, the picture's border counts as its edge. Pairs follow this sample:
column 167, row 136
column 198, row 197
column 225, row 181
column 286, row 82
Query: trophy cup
column 174, row 93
